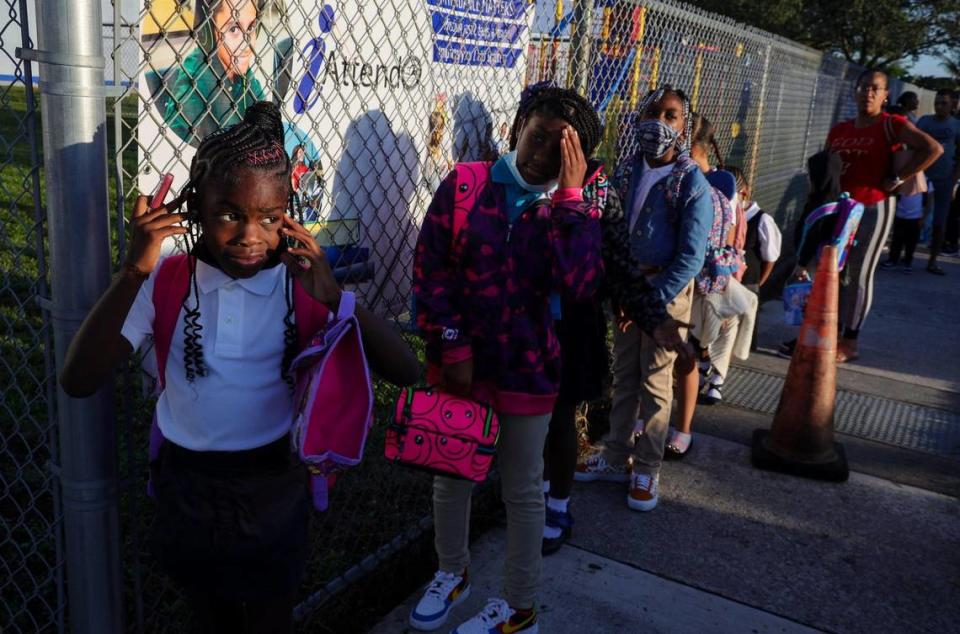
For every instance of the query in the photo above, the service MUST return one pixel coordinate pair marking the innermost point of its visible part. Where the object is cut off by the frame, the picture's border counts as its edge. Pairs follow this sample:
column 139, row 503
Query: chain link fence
column 31, row 550
column 382, row 98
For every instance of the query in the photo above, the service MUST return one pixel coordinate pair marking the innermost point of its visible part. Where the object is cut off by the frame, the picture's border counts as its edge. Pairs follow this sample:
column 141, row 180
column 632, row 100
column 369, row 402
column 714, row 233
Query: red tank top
column 866, row 154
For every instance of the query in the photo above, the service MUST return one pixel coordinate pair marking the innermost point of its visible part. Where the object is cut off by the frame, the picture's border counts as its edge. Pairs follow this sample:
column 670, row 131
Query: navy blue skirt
column 232, row 523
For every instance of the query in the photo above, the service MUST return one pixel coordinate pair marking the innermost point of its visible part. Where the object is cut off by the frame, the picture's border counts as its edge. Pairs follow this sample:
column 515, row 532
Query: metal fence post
column 762, row 101
column 70, row 53
column 581, row 39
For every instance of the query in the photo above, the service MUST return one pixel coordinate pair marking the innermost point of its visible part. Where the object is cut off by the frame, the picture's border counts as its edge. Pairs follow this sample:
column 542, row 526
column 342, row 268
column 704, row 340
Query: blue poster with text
column 478, row 32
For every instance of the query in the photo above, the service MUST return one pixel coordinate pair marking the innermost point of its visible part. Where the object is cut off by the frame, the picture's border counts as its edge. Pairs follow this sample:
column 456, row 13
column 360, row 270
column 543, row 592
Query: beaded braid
column 683, row 143
column 192, row 347
column 256, row 142
column 547, row 98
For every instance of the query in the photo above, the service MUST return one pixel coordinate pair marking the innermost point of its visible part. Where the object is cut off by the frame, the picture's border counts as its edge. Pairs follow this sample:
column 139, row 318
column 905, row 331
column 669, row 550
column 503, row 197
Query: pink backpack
column 170, row 287
column 443, row 434
column 471, row 177
column 330, row 431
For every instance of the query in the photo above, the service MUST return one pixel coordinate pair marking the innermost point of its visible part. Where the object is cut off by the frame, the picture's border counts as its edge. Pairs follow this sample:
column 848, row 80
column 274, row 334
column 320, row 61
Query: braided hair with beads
column 546, row 98
column 255, row 143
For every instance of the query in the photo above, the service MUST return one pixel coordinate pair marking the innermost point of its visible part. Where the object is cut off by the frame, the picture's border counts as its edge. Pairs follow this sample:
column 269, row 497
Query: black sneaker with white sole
column 712, row 395
column 786, row 349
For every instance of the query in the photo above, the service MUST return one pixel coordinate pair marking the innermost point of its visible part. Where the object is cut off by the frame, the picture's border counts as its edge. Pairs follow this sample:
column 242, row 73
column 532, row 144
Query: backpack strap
column 311, row 316
column 471, row 179
column 888, row 130
column 170, row 286
column 674, row 182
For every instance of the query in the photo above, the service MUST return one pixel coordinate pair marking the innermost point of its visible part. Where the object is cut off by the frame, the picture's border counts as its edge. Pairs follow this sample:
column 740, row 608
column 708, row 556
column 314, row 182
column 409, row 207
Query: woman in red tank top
column 865, row 144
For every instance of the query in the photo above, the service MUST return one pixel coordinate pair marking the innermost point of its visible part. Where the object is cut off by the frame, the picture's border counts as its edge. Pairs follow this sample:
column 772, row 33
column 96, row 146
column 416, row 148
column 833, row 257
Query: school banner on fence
column 379, row 100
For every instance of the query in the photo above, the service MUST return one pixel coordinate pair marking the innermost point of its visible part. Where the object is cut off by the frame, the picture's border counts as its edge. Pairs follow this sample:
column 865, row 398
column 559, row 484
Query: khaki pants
column 520, row 463
column 642, row 374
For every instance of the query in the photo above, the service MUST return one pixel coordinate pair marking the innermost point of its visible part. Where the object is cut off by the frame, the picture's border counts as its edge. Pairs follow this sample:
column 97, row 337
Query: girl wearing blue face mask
column 666, row 199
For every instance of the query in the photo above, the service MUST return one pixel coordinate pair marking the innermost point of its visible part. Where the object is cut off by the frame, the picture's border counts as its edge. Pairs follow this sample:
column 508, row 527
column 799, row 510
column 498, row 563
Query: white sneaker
column 499, row 617
column 594, row 467
column 644, row 492
column 444, row 593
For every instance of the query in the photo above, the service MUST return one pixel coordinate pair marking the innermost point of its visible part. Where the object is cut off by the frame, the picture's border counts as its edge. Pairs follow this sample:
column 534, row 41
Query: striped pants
column 856, row 281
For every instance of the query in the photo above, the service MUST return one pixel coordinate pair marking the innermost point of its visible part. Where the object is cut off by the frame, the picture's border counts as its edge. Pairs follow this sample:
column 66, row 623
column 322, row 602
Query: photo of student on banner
column 215, row 83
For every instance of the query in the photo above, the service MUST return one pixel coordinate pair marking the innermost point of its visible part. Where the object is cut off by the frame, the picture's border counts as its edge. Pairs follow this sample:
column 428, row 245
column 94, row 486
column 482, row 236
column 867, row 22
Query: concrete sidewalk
column 584, row 592
column 734, row 549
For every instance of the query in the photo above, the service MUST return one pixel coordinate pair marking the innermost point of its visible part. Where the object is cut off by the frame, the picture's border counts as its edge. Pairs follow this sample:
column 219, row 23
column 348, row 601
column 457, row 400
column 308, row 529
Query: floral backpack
column 722, row 260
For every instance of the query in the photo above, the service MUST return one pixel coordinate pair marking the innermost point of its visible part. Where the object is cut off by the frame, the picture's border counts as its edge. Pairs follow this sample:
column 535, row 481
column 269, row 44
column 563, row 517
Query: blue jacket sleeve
column 695, row 221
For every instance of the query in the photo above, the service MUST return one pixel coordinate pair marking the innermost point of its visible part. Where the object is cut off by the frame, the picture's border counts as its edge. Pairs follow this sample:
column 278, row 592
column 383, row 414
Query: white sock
column 549, row 532
column 546, row 486
column 560, row 506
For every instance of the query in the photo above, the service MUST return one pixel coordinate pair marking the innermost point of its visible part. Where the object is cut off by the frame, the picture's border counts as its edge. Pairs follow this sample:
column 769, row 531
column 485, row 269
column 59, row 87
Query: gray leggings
column 856, row 281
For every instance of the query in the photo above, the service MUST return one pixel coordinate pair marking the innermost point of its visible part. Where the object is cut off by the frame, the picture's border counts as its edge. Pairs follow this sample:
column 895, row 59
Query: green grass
column 28, row 586
column 27, row 547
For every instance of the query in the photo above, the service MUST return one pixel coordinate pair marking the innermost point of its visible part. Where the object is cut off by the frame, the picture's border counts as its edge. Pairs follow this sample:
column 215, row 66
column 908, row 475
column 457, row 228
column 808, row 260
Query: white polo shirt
column 243, row 402
column 770, row 239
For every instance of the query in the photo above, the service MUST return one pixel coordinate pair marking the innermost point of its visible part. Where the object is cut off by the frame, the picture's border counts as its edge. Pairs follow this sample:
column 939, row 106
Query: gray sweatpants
column 520, row 462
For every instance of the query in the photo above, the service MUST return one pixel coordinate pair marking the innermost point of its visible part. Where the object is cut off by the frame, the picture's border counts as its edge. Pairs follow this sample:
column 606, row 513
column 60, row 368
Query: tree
column 950, row 62
column 880, row 34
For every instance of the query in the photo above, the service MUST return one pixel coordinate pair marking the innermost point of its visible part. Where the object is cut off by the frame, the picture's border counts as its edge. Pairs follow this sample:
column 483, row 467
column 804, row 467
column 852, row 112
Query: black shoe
column 563, row 521
column 950, row 250
column 786, row 349
column 888, row 265
column 712, row 395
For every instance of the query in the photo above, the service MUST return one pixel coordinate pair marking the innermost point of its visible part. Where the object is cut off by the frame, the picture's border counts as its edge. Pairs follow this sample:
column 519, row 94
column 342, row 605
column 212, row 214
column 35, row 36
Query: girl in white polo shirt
column 232, row 512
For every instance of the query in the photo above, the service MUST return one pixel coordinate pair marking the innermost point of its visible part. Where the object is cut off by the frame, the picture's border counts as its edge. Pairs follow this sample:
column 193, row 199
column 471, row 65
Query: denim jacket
column 671, row 231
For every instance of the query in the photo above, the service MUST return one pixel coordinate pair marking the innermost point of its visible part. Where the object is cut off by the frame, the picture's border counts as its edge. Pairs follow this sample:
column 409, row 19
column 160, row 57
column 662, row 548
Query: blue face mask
column 511, row 161
column 656, row 138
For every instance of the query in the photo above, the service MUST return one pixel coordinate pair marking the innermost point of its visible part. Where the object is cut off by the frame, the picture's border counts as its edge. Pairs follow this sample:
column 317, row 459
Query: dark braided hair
column 546, row 98
column 704, row 136
column 739, row 176
column 255, row 143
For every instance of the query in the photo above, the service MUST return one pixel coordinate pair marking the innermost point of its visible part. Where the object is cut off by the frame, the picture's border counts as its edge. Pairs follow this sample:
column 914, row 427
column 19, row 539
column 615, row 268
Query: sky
column 927, row 65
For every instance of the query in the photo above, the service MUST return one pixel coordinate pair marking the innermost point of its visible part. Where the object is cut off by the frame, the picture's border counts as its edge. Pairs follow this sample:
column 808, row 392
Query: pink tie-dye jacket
column 486, row 297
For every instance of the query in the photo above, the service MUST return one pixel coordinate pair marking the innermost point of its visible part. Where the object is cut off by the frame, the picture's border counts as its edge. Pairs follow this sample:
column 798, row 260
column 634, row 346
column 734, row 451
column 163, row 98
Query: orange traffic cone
column 800, row 441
